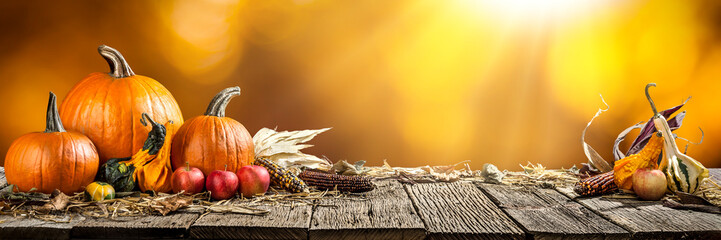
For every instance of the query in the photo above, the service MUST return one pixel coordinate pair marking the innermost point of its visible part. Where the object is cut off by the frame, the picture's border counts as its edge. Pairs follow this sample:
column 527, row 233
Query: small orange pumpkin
column 53, row 159
column 212, row 141
column 105, row 107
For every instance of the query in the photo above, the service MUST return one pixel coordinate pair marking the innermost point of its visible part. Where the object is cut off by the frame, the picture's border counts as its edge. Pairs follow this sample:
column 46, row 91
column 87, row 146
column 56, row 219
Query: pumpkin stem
column 220, row 101
column 52, row 119
column 648, row 96
column 119, row 68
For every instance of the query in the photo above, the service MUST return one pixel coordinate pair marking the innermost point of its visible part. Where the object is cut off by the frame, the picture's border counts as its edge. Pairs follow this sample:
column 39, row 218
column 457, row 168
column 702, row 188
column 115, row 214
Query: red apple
column 649, row 184
column 253, row 180
column 188, row 179
column 222, row 184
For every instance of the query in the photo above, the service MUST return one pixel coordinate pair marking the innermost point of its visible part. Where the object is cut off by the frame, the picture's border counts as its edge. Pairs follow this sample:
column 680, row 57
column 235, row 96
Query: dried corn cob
column 342, row 183
column 282, row 177
column 596, row 185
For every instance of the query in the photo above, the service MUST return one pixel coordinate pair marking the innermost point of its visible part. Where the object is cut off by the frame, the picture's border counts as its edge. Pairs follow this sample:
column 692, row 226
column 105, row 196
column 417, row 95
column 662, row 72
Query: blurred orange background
column 414, row 82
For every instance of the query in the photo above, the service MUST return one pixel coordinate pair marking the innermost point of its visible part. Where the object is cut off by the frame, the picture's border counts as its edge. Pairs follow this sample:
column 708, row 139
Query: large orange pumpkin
column 212, row 141
column 53, row 159
column 105, row 107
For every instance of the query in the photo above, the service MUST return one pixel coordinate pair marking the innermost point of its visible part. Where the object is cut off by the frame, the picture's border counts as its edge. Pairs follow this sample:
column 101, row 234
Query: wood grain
column 384, row 213
column 283, row 222
column 30, row 228
column 3, row 181
column 650, row 219
column 446, row 210
column 461, row 211
column 715, row 174
column 145, row 227
column 541, row 212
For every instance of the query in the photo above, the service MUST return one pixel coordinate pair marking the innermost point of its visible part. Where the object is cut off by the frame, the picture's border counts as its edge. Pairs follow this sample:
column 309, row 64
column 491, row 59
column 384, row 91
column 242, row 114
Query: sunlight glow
column 532, row 9
column 203, row 42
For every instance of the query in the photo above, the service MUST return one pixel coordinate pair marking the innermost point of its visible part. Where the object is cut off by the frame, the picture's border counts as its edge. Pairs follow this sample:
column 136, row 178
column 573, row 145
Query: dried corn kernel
column 282, row 177
column 596, row 185
column 341, row 183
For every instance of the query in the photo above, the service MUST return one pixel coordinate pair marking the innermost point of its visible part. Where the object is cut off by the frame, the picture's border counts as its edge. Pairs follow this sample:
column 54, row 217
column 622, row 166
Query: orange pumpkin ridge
column 52, row 159
column 212, row 141
column 105, row 106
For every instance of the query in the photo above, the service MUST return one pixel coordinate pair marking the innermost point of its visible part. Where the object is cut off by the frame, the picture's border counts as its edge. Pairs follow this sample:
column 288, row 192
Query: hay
column 711, row 191
column 142, row 204
column 533, row 175
column 538, row 175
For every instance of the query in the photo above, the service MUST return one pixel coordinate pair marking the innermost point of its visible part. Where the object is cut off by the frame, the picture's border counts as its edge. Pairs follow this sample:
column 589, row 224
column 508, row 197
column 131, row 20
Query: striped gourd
column 282, row 177
column 343, row 183
column 596, row 185
column 683, row 173
column 98, row 191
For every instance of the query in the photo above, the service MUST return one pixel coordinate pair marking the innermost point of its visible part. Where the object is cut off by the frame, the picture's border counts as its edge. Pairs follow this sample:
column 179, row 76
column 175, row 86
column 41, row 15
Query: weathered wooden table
column 460, row 210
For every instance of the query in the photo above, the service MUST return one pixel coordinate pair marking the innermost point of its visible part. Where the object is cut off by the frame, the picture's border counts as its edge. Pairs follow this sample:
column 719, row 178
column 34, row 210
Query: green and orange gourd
column 149, row 168
column 99, row 191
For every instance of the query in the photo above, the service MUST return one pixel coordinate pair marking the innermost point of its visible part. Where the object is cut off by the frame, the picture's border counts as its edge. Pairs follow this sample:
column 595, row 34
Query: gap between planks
column 383, row 213
column 541, row 212
column 459, row 210
column 282, row 222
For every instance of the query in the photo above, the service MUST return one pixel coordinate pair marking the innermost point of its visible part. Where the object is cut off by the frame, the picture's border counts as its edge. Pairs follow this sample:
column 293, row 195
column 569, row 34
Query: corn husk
column 594, row 159
column 284, row 147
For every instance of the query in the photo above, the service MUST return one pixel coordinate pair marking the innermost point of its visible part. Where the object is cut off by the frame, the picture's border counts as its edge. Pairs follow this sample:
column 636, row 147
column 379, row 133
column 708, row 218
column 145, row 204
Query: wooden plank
column 650, row 219
column 460, row 210
column 31, row 228
column 384, row 213
column 3, row 181
column 540, row 212
column 715, row 174
column 283, row 222
column 174, row 225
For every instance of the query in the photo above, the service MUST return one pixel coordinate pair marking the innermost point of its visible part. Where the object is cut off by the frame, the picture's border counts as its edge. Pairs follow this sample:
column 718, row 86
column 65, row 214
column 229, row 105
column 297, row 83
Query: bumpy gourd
column 624, row 168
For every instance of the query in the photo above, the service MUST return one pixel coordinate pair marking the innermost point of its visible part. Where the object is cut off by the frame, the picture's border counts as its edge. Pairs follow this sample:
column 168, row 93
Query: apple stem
column 187, row 166
column 226, row 167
